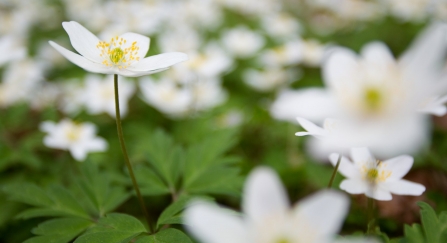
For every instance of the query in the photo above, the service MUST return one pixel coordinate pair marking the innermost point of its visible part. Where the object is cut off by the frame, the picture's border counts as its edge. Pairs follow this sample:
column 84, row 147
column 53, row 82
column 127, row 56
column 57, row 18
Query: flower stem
column 126, row 157
column 334, row 172
column 371, row 218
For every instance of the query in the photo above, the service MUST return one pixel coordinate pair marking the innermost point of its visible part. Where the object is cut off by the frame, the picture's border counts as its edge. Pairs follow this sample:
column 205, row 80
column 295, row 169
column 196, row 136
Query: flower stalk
column 371, row 217
column 329, row 186
column 126, row 157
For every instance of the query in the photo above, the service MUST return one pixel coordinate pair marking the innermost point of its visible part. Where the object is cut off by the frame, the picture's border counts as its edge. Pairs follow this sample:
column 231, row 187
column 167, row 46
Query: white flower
column 268, row 79
column 123, row 55
column 11, row 49
column 207, row 93
column 242, row 42
column 374, row 178
column 268, row 217
column 166, row 96
column 379, row 98
column 99, row 95
column 281, row 25
column 20, row 80
column 288, row 54
column 78, row 138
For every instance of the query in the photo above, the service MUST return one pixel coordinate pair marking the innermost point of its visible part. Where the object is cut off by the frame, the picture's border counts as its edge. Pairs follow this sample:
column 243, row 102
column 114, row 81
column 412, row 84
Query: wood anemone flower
column 123, row 55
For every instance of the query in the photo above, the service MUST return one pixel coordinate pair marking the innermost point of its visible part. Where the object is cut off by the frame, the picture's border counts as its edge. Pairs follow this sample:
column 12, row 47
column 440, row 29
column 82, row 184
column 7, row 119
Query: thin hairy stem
column 126, row 157
column 329, row 186
column 371, row 217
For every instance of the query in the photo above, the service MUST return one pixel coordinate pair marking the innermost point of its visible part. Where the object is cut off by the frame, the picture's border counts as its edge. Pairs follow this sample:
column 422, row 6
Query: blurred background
column 242, row 55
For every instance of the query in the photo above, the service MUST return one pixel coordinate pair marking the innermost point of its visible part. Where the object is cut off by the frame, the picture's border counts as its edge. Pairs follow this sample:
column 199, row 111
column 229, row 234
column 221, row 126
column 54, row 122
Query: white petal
column 47, row 126
column 377, row 53
column 379, row 193
column 314, row 103
column 311, row 128
column 435, row 106
column 79, row 153
column 134, row 73
column 211, row 224
column 142, row 42
column 96, row 144
column 340, row 67
column 361, row 156
column 82, row 61
column 354, row 186
column 264, row 195
column 346, row 167
column 161, row 61
column 52, row 142
column 324, row 211
column 83, row 41
column 427, row 52
column 399, row 166
column 404, row 187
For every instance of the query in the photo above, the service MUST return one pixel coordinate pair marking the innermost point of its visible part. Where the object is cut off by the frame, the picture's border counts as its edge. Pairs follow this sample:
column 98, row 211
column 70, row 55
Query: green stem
column 334, row 172
column 371, row 218
column 126, row 157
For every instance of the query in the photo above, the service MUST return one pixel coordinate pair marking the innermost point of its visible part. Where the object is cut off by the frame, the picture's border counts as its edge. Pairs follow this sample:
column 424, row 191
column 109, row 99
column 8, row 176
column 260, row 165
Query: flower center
column 73, row 133
column 118, row 53
column 283, row 240
column 372, row 174
column 373, row 99
column 376, row 172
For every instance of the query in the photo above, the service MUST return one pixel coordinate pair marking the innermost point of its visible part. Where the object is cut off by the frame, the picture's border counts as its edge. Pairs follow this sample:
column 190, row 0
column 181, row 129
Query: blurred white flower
column 78, row 138
column 207, row 93
column 212, row 62
column 20, row 79
column 269, row 78
column 378, row 98
column 267, row 215
column 123, row 55
column 312, row 52
column 375, row 178
column 413, row 10
column 180, row 38
column 166, row 96
column 242, row 42
column 99, row 95
column 288, row 54
column 11, row 49
column 281, row 25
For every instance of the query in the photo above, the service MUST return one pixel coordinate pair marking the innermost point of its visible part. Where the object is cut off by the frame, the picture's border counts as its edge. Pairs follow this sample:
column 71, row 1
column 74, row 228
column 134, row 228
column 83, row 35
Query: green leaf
column 101, row 196
column 207, row 170
column 114, row 228
column 66, row 202
column 166, row 236
column 433, row 229
column 165, row 156
column 150, row 183
column 414, row 234
column 430, row 223
column 61, row 230
column 170, row 214
column 28, row 193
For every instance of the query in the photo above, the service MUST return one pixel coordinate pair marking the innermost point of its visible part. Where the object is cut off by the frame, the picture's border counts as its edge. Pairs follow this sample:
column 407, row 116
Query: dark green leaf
column 166, row 236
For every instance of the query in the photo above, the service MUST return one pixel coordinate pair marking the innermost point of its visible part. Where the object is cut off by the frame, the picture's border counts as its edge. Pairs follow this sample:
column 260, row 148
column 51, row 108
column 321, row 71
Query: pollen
column 373, row 99
column 116, row 52
column 376, row 172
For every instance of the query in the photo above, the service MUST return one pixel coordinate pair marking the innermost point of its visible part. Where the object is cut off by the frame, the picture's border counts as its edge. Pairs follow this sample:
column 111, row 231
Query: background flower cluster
column 231, row 107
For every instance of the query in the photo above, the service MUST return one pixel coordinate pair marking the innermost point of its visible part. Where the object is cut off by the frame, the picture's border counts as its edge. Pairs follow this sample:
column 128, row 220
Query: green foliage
column 114, row 228
column 59, row 230
column 166, row 236
column 79, row 207
column 201, row 168
column 432, row 230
